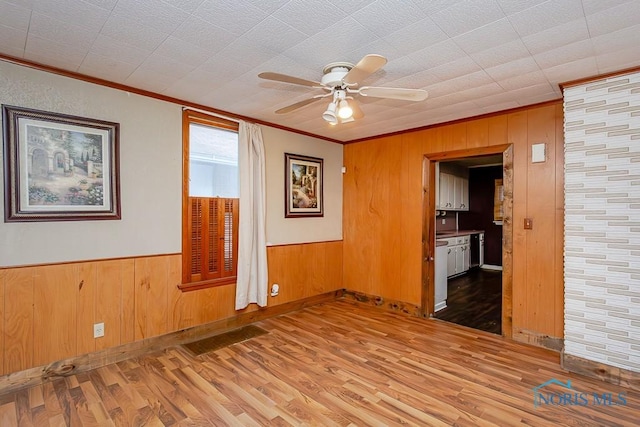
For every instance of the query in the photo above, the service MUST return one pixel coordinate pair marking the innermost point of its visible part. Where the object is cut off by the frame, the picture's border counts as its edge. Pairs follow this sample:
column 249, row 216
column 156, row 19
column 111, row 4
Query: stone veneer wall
column 602, row 221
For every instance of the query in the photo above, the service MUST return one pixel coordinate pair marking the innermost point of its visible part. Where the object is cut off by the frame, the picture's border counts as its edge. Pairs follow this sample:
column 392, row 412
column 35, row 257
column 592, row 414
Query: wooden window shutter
column 195, row 214
column 230, row 242
column 213, row 254
column 212, row 249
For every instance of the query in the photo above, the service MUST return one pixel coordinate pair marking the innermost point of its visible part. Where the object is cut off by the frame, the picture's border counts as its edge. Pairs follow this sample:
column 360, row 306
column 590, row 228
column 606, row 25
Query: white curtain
column 252, row 250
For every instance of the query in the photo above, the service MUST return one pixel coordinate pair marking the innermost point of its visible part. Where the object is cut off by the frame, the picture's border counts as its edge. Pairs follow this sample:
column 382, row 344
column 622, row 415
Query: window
column 210, row 203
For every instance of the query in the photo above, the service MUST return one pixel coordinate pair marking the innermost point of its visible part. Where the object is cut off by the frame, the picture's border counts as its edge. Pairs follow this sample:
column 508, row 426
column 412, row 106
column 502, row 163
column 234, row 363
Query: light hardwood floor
column 332, row 364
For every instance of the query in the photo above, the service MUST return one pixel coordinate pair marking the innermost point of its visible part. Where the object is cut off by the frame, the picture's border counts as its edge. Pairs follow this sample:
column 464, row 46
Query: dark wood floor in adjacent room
column 336, row 364
column 475, row 300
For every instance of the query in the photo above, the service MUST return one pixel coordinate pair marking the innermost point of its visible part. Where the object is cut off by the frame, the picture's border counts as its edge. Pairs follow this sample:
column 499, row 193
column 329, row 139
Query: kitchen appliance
column 476, row 246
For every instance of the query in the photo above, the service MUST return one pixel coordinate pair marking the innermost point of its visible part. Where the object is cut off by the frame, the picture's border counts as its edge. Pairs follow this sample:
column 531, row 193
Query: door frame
column 429, row 232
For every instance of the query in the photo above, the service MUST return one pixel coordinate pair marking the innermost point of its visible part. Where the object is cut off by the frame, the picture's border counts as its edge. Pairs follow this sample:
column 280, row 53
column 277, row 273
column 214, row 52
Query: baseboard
column 439, row 306
column 600, row 371
column 539, row 340
column 491, row 267
column 383, row 303
column 83, row 363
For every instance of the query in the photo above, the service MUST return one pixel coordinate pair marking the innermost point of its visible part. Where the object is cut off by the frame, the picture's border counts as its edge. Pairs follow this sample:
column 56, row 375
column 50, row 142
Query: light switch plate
column 98, row 330
column 538, row 153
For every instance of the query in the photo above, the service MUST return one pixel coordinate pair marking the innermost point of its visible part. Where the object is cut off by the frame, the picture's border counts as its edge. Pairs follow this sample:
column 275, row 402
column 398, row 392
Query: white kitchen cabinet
column 462, row 258
column 460, row 193
column 457, row 192
column 459, row 259
column 451, row 261
column 453, row 192
column 466, row 261
column 463, row 189
column 445, row 191
column 458, row 255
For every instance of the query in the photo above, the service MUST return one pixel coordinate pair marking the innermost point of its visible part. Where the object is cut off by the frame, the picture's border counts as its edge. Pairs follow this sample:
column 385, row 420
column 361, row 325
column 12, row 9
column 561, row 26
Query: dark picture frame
column 303, row 186
column 59, row 167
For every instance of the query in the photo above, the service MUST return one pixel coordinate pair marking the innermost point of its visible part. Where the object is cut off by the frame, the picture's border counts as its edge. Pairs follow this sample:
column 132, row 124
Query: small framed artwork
column 303, row 186
column 59, row 167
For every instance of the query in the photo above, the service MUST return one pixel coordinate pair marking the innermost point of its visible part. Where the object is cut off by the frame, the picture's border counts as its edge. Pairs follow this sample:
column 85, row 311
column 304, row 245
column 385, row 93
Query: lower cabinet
column 458, row 255
column 451, row 260
column 462, row 258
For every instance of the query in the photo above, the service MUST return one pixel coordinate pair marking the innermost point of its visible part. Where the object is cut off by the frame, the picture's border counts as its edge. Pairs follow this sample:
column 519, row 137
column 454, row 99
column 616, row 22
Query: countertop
column 447, row 234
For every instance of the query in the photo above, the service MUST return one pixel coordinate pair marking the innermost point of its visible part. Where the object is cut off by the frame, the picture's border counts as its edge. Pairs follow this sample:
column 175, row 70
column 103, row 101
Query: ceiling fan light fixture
column 345, row 111
column 330, row 114
column 341, row 81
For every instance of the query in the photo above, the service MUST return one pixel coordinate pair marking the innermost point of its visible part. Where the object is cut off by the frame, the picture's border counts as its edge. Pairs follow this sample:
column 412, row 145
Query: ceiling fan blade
column 288, row 79
column 394, row 93
column 297, row 105
column 363, row 69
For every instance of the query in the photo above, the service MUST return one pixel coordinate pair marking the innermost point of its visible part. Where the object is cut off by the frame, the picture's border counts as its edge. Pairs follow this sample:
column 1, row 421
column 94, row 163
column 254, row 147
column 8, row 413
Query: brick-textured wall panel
column 602, row 221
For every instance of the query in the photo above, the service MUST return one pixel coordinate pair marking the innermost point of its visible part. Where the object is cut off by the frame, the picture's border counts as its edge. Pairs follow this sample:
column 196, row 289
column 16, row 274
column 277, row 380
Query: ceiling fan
column 341, row 82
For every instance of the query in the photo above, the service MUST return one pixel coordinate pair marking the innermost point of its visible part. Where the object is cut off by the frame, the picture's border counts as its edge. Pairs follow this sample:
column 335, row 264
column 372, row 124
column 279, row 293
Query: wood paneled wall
column 304, row 270
column 47, row 312
column 383, row 212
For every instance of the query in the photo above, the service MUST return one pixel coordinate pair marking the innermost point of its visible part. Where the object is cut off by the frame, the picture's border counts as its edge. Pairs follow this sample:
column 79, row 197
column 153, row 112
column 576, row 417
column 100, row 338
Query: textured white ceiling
column 473, row 56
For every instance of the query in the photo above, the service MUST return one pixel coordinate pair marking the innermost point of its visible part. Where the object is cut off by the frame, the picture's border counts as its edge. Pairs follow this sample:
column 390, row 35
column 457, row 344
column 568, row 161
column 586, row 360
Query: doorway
column 478, row 279
column 472, row 232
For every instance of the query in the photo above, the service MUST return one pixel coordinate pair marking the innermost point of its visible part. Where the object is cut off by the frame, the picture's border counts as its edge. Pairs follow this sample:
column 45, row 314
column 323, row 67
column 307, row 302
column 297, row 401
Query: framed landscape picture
column 59, row 167
column 303, row 186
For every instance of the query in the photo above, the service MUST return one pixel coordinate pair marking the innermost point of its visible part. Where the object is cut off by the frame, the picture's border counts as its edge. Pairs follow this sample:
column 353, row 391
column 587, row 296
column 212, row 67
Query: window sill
column 204, row 284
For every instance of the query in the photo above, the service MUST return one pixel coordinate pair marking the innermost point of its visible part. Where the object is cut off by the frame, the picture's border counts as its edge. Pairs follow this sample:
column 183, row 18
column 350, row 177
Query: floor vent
column 219, row 341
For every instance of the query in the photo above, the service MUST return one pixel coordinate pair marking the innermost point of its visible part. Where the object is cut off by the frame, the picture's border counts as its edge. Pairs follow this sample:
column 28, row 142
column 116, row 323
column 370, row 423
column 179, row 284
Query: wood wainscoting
column 383, row 303
column 83, row 363
column 47, row 312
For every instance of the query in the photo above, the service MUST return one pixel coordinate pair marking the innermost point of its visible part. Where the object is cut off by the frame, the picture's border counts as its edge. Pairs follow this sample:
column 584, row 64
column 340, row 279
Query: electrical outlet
column 274, row 290
column 444, row 221
column 98, row 330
